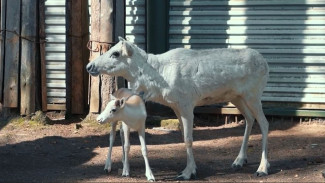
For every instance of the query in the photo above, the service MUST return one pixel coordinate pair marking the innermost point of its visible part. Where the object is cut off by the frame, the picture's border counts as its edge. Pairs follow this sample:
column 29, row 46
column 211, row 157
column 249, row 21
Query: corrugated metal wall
column 55, row 51
column 290, row 35
column 135, row 28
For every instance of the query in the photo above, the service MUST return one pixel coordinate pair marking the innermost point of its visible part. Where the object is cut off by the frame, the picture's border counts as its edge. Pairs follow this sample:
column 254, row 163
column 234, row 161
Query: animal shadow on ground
column 56, row 158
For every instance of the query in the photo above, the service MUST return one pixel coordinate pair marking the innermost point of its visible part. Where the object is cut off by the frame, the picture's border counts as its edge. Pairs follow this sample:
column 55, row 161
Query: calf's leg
column 149, row 173
column 126, row 150
column 112, row 134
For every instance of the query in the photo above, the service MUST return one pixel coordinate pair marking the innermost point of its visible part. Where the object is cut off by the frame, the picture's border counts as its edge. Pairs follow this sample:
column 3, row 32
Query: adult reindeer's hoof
column 183, row 177
column 260, row 174
column 107, row 171
column 238, row 164
column 236, row 167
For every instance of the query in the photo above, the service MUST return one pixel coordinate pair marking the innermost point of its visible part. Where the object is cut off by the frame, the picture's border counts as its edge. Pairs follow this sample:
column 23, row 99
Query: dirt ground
column 65, row 151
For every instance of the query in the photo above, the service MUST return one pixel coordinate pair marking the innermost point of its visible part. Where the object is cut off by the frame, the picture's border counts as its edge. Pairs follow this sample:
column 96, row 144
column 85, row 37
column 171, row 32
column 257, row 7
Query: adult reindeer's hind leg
column 187, row 117
column 242, row 156
column 255, row 107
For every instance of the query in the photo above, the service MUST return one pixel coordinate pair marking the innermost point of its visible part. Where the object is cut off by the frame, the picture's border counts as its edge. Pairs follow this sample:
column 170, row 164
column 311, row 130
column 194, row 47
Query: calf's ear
column 126, row 50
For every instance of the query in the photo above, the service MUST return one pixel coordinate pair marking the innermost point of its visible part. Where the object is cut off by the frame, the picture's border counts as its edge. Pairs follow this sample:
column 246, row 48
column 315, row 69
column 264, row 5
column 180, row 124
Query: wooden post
column 108, row 84
column 101, row 39
column 28, row 57
column 11, row 81
column 94, row 81
column 2, row 39
column 79, row 38
column 42, row 53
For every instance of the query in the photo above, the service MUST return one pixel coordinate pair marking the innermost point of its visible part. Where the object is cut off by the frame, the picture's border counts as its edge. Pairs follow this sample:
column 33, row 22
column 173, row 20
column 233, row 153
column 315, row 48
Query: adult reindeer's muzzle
column 91, row 69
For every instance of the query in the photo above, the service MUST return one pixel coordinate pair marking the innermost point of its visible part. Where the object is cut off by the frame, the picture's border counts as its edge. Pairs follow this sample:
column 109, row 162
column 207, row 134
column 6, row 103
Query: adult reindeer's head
column 116, row 61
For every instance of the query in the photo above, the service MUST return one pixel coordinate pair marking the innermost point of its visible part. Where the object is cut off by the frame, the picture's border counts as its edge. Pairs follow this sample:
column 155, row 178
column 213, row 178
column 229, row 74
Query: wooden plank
column 42, row 53
column 2, row 42
column 61, row 107
column 78, row 8
column 94, row 81
column 85, row 51
column 28, row 57
column 12, row 54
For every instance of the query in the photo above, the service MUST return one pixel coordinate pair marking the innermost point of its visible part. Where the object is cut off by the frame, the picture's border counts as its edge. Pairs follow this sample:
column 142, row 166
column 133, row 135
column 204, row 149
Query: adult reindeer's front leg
column 187, row 120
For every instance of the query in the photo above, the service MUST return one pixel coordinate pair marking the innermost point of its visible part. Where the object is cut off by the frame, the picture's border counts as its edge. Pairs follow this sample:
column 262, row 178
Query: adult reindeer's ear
column 112, row 97
column 121, row 39
column 122, row 102
column 126, row 49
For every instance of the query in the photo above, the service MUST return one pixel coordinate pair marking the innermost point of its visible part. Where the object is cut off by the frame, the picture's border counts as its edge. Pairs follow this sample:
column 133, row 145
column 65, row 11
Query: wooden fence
column 23, row 78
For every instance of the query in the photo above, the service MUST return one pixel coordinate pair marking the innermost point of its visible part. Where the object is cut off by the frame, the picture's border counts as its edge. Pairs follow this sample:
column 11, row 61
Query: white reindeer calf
column 129, row 108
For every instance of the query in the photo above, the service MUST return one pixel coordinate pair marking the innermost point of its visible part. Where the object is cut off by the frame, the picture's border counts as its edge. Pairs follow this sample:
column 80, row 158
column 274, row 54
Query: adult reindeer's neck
column 146, row 77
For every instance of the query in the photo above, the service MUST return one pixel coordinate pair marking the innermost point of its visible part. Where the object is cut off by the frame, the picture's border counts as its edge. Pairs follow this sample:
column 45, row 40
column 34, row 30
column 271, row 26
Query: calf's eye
column 113, row 110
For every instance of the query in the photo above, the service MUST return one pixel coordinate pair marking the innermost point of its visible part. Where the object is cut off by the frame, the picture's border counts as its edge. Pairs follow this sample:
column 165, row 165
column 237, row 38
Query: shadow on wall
column 290, row 35
column 135, row 28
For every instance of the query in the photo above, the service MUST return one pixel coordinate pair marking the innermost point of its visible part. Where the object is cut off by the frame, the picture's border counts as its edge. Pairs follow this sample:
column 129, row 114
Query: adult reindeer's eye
column 115, row 54
column 113, row 110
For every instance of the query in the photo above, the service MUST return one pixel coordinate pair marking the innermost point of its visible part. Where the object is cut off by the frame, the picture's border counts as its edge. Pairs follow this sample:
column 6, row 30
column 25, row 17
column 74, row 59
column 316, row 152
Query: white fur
column 132, row 115
column 184, row 78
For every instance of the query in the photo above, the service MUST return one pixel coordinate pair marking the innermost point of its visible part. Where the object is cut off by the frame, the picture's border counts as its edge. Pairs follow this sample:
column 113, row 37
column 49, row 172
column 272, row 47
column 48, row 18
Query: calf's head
column 115, row 61
column 112, row 111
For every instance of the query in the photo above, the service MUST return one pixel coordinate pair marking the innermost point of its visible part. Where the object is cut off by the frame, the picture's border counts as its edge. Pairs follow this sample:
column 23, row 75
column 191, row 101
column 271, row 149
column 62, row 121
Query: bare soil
column 67, row 151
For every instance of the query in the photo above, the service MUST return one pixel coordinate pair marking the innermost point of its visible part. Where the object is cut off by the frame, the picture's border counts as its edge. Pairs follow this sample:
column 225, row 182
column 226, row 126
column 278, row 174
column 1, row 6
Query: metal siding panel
column 55, row 51
column 135, row 20
column 289, row 34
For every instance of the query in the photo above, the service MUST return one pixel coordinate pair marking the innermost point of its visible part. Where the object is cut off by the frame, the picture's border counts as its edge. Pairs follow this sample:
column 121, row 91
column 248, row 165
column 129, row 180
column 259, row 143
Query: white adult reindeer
column 184, row 78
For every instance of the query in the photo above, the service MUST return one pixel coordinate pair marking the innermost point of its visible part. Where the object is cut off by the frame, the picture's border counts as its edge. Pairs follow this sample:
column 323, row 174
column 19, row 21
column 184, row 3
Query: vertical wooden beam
column 28, row 57
column 11, row 78
column 42, row 53
column 108, row 84
column 84, row 49
column 2, row 41
column 94, row 81
column 78, row 34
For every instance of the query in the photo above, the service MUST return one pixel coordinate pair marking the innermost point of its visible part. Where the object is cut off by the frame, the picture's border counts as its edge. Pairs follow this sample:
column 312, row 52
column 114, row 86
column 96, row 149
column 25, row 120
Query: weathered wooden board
column 42, row 53
column 11, row 82
column 94, row 81
column 28, row 57
column 85, row 52
column 2, row 41
column 78, row 32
